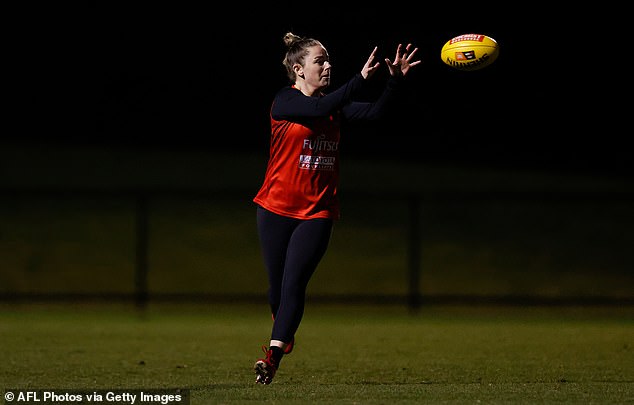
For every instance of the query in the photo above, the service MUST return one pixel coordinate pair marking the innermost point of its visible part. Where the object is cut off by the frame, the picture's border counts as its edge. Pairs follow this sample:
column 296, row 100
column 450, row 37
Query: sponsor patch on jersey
column 311, row 162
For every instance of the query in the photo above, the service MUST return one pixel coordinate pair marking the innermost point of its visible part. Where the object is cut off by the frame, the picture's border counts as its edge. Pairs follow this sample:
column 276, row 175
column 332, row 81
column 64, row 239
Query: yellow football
column 470, row 51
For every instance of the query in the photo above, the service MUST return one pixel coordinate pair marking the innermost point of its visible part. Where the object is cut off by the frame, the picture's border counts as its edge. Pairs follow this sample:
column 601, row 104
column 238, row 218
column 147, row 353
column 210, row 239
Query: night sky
column 201, row 78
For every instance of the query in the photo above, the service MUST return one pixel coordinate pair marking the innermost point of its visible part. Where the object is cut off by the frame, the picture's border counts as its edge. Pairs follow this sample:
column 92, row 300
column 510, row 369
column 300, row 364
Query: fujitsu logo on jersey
column 320, row 144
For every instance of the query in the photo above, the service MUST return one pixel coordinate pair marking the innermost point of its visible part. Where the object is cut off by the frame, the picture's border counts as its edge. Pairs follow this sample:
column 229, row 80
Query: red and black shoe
column 265, row 368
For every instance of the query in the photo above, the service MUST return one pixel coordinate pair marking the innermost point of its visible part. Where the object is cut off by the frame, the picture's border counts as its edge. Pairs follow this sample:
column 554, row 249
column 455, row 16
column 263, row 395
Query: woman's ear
column 299, row 70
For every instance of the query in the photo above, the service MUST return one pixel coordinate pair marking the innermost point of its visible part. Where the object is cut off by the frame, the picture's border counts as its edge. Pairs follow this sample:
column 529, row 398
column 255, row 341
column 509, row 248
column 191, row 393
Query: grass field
column 544, row 245
column 344, row 354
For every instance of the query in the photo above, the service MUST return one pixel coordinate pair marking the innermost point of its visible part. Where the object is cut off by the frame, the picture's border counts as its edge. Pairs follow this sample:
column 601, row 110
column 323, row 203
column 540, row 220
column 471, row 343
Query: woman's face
column 316, row 69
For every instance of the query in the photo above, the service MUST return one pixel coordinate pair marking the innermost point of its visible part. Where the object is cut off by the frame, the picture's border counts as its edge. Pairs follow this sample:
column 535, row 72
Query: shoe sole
column 263, row 375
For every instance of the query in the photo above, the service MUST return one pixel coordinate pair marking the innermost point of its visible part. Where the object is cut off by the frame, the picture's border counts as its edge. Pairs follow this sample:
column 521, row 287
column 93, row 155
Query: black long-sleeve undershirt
column 291, row 104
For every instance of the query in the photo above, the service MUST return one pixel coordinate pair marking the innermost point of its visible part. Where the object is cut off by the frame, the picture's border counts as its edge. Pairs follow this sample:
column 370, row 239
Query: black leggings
column 292, row 249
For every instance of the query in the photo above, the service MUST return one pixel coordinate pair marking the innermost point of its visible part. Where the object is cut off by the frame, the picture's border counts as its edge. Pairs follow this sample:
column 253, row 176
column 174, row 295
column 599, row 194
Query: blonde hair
column 296, row 51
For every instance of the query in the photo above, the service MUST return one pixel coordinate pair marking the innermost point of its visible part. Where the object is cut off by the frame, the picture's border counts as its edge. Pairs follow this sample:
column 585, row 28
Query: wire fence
column 411, row 248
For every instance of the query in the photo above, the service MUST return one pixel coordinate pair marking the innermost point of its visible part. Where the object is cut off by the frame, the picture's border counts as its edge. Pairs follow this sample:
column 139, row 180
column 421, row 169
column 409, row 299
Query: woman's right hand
column 370, row 66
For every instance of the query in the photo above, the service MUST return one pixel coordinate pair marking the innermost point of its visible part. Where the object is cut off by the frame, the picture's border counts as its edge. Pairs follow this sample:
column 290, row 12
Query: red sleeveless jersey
column 302, row 173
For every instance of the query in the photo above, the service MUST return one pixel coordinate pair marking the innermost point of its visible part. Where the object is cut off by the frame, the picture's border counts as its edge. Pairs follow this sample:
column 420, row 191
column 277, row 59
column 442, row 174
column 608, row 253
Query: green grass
column 344, row 354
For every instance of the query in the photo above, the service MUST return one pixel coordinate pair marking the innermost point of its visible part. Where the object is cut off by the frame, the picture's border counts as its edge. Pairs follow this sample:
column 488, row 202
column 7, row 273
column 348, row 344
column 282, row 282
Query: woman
column 298, row 201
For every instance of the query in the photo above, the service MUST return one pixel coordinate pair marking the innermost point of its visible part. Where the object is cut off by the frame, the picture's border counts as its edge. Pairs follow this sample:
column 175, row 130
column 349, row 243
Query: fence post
column 414, row 252
column 141, row 270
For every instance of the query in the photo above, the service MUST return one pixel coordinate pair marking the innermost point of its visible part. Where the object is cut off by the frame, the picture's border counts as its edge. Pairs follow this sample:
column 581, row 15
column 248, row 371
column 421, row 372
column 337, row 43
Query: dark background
column 181, row 77
column 106, row 104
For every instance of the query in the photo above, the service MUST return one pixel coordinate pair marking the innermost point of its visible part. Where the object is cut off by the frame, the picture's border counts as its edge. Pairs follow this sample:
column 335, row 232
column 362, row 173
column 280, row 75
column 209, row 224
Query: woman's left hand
column 402, row 61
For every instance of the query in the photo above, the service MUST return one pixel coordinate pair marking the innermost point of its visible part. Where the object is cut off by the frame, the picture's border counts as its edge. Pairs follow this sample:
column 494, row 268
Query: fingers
column 402, row 62
column 398, row 52
column 370, row 65
column 372, row 55
column 412, row 53
column 408, row 53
